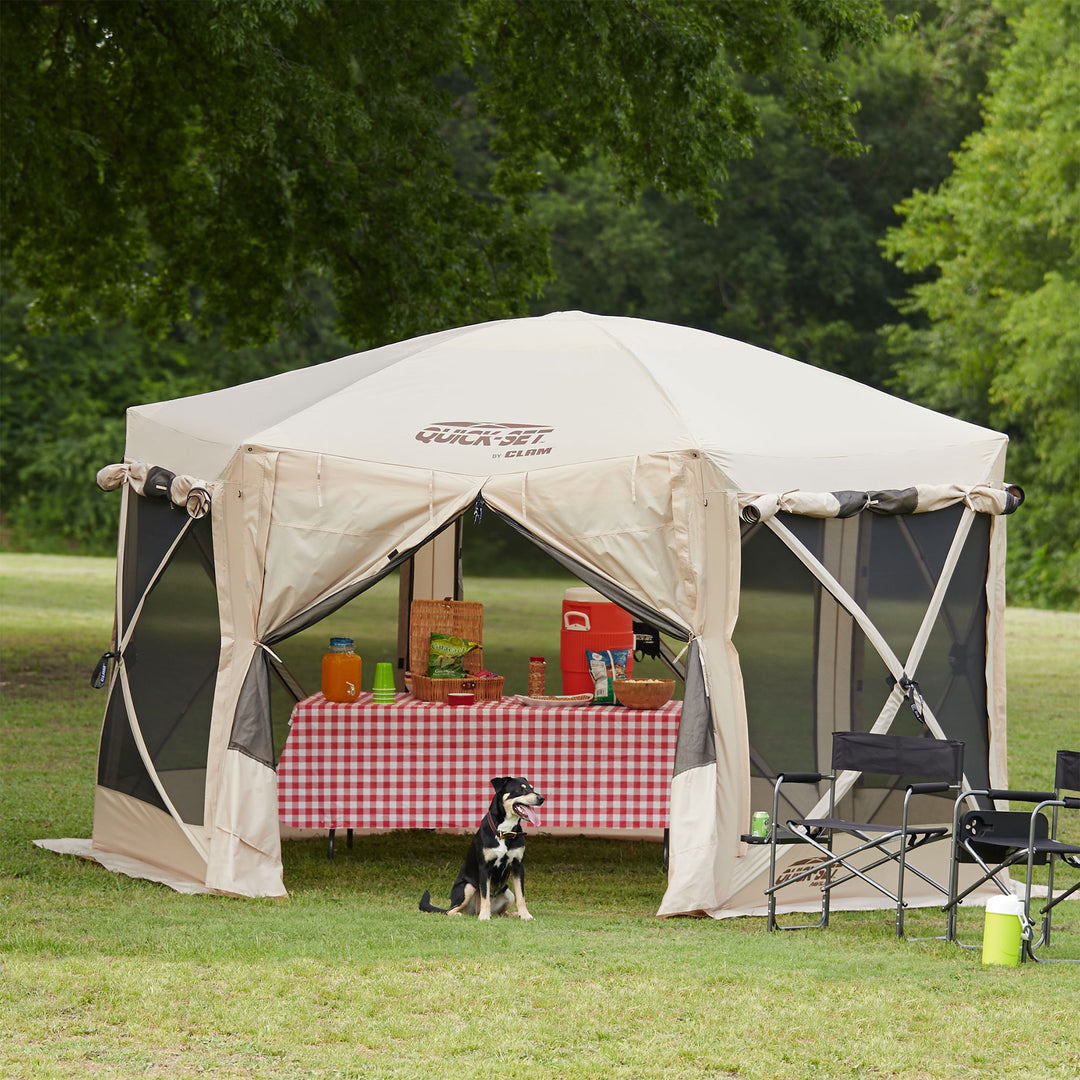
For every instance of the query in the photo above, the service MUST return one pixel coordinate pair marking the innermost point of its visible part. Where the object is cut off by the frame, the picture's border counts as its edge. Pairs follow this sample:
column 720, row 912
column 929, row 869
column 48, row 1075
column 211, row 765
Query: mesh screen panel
column 120, row 767
column 790, row 628
column 776, row 640
column 152, row 526
column 171, row 663
column 903, row 558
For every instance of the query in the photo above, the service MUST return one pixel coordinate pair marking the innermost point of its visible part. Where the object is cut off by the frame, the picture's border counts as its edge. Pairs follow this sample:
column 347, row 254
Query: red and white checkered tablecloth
column 425, row 765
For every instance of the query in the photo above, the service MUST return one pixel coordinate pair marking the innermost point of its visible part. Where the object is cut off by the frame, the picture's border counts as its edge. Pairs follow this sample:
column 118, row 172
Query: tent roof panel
column 520, row 394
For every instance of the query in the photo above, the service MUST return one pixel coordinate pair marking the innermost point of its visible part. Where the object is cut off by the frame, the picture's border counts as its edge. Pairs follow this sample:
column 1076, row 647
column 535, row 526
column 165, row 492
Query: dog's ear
column 499, row 783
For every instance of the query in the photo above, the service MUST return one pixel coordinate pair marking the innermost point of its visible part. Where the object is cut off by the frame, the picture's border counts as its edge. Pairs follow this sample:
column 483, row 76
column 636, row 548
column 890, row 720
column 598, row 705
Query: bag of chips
column 446, row 658
column 605, row 667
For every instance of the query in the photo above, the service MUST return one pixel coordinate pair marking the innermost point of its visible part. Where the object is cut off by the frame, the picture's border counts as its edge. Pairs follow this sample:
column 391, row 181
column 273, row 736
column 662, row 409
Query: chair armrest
column 1019, row 796
column 928, row 788
column 1070, row 803
column 801, row 777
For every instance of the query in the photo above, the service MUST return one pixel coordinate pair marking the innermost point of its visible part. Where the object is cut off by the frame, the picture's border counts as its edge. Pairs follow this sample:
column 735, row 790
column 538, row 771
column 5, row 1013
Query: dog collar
column 512, row 831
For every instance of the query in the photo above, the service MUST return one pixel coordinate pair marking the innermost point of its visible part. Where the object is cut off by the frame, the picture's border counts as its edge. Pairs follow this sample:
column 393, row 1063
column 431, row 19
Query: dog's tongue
column 528, row 813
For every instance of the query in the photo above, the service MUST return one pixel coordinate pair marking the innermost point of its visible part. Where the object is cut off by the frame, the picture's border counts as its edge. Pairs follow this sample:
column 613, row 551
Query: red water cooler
column 590, row 623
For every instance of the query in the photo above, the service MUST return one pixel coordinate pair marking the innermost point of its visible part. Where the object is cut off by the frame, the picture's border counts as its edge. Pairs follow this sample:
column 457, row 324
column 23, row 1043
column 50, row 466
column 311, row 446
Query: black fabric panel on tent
column 696, row 744
column 851, row 502
column 174, row 647
column 152, row 527
column 120, row 766
column 252, row 733
column 177, row 644
column 899, row 560
column 776, row 638
column 903, row 557
column 903, row 501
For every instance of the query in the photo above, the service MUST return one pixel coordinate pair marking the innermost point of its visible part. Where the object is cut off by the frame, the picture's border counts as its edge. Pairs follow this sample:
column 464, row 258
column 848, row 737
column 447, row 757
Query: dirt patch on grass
column 38, row 674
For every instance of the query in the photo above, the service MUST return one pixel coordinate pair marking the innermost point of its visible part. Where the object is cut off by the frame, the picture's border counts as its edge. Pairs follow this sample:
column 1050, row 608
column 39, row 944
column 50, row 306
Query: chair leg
column 827, row 894
column 1045, row 940
column 1027, row 944
column 770, row 922
column 771, row 891
column 900, row 879
column 1051, row 902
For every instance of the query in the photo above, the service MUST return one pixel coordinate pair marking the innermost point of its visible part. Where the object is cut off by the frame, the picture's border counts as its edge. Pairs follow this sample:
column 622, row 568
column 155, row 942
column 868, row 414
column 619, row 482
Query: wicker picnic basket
column 463, row 619
column 643, row 693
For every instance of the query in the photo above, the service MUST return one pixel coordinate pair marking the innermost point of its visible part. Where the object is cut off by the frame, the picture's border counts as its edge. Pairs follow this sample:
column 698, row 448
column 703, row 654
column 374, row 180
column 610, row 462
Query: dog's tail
column 427, row 905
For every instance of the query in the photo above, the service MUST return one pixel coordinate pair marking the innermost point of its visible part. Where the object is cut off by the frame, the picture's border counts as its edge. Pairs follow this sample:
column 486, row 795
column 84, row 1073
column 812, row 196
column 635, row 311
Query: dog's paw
column 484, row 916
column 525, row 915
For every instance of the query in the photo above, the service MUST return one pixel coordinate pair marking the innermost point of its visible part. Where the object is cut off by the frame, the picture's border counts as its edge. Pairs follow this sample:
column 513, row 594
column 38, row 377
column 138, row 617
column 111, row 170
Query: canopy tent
column 827, row 541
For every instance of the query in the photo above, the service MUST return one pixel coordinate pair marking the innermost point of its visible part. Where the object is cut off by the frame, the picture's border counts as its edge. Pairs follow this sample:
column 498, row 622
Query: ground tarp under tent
column 819, row 546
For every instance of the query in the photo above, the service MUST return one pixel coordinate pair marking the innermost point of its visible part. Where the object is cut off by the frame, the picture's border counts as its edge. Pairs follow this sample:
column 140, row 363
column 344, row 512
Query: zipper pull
column 101, row 670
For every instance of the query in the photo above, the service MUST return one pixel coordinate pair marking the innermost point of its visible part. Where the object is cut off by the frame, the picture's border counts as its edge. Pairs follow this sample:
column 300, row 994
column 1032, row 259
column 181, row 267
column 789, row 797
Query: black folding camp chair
column 932, row 767
column 996, row 840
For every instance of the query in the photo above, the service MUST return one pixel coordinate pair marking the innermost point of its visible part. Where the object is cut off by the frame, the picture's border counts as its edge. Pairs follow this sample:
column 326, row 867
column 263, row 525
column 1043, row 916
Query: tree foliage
column 181, row 159
column 63, row 399
column 998, row 245
column 793, row 262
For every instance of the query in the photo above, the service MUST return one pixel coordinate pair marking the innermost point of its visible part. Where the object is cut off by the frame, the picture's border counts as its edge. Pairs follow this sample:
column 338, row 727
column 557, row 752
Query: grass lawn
column 105, row 976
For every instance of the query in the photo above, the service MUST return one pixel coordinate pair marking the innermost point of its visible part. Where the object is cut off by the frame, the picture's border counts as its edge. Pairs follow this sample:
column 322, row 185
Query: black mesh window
column 152, row 526
column 171, row 664
column 120, row 768
column 788, row 621
column 776, row 640
column 901, row 559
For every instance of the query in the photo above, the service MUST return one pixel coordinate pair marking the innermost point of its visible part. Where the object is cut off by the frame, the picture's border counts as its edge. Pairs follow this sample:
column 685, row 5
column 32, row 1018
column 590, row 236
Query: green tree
column 63, row 399
column 998, row 246
column 793, row 262
column 176, row 159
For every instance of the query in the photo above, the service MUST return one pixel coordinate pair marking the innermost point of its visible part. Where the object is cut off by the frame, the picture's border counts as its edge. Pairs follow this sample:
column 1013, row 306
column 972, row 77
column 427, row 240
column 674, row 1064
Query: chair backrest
column 913, row 756
column 1067, row 774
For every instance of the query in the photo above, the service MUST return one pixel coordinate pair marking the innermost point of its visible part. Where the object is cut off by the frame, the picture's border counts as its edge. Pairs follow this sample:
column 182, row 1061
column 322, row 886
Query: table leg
column 330, row 842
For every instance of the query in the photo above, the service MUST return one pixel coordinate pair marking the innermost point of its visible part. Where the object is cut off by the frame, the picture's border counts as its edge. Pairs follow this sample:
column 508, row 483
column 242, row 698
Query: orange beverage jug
column 341, row 671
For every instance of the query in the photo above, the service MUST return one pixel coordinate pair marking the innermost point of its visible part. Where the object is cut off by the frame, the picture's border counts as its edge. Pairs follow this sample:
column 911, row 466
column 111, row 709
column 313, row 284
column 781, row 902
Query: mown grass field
column 105, row 976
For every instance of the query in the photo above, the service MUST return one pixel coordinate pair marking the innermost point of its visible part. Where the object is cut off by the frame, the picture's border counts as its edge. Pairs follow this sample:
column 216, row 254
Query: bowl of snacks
column 643, row 693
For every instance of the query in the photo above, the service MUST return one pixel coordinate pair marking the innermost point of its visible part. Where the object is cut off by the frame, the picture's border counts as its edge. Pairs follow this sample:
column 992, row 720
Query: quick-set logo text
column 505, row 440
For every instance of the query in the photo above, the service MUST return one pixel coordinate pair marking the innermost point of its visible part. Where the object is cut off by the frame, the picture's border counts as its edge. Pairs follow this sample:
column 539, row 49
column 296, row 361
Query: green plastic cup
column 382, row 690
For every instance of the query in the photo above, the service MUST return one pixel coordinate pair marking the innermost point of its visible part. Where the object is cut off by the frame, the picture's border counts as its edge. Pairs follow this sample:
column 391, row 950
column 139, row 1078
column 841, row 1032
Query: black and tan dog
column 496, row 856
